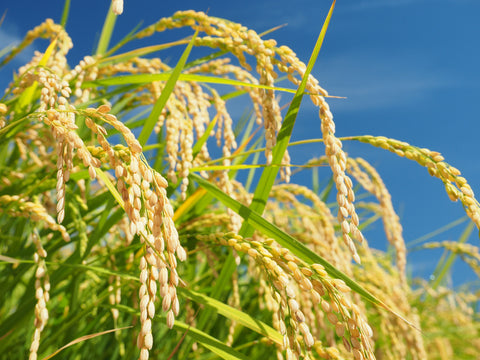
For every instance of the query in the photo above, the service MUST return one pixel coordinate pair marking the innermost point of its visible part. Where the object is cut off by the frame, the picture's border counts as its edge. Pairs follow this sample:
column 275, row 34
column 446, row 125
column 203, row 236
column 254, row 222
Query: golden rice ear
column 3, row 112
column 117, row 7
column 293, row 291
column 371, row 181
column 42, row 287
column 456, row 186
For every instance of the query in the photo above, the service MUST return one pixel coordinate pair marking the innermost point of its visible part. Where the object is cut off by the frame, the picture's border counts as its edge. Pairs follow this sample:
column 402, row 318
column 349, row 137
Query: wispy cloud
column 370, row 4
column 375, row 82
column 10, row 37
column 7, row 39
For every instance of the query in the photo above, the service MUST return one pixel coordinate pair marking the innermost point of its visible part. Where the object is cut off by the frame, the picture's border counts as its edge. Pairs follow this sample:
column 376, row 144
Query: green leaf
column 107, row 31
column 167, row 90
column 233, row 314
column 203, row 139
column 446, row 262
column 122, row 58
column 211, row 343
column 113, row 190
column 269, row 174
column 148, row 78
column 26, row 97
column 84, row 338
column 66, row 9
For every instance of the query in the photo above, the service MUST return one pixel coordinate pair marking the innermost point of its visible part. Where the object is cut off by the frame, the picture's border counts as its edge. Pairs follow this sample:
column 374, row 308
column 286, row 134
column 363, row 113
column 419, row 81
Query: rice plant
column 126, row 232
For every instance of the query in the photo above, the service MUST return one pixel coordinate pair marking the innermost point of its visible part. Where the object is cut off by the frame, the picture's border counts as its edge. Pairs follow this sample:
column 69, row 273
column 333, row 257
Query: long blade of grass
column 113, row 190
column 120, row 58
column 167, row 90
column 126, row 39
column 27, row 95
column 315, row 181
column 148, row 78
column 189, row 203
column 251, row 173
column 5, row 51
column 227, row 167
column 107, row 31
column 424, row 238
column 66, row 10
column 269, row 174
column 203, row 139
column 445, row 264
column 204, row 59
column 211, row 343
column 84, row 338
column 234, row 314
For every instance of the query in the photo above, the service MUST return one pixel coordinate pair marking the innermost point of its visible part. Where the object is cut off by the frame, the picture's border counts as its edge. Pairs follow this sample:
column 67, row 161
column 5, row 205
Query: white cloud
column 7, row 39
column 377, row 81
column 10, row 37
column 369, row 4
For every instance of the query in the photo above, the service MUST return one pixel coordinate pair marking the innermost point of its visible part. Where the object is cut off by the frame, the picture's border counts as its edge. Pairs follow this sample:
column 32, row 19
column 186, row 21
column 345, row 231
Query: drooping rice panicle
column 287, row 277
column 371, row 181
column 456, row 185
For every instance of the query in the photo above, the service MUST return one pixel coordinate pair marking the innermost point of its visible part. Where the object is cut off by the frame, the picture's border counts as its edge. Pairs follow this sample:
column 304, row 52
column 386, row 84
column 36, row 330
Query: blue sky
column 409, row 70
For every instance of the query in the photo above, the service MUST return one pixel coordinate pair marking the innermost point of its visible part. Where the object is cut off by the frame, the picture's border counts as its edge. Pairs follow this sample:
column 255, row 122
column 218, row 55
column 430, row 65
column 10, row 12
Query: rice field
column 126, row 232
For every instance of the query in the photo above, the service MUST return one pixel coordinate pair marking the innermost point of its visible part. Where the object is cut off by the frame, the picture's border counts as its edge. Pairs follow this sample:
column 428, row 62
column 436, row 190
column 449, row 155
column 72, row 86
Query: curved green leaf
column 211, row 343
column 233, row 314
column 167, row 90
